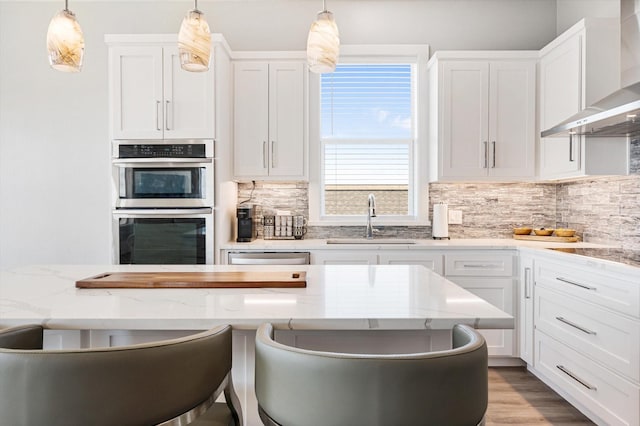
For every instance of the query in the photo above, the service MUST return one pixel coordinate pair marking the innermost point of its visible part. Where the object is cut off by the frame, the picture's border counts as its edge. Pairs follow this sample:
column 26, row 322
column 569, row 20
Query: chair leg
column 233, row 402
column 266, row 420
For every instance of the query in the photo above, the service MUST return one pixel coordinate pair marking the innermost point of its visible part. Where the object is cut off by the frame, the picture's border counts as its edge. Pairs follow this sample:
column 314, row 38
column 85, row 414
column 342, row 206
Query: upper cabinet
column 577, row 69
column 152, row 97
column 269, row 120
column 482, row 115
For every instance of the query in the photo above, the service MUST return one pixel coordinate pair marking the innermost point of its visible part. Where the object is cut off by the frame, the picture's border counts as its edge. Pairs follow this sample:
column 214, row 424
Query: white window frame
column 371, row 54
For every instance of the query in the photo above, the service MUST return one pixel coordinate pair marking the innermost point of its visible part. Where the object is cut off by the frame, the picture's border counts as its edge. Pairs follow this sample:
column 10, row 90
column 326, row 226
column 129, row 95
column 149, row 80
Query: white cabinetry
column 578, row 68
column 428, row 258
column 269, row 120
column 587, row 336
column 344, row 257
column 489, row 274
column 151, row 96
column 482, row 115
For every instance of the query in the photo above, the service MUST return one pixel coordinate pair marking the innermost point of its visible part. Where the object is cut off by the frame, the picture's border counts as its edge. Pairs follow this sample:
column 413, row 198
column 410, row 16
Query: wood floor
column 517, row 397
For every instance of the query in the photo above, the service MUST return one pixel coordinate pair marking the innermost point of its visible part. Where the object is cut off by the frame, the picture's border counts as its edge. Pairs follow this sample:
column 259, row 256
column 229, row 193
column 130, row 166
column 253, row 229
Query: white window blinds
column 366, row 137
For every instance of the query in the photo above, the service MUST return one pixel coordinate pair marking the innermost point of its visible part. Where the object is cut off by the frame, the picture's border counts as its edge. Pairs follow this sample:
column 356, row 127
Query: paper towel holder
column 440, row 223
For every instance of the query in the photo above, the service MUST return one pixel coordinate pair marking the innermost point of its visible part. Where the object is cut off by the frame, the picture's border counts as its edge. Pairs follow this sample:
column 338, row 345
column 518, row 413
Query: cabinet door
column 464, row 121
column 561, row 96
column 427, row 259
column 525, row 309
column 286, row 119
column 188, row 100
column 498, row 292
column 136, row 91
column 561, row 157
column 561, row 82
column 251, row 119
column 512, row 115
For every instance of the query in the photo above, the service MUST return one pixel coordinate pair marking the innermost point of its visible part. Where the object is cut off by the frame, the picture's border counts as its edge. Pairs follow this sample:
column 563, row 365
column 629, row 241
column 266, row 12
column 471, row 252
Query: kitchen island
column 382, row 308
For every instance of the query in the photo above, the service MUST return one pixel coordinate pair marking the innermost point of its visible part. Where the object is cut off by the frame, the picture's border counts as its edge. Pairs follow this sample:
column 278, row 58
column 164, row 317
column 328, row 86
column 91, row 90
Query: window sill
column 363, row 222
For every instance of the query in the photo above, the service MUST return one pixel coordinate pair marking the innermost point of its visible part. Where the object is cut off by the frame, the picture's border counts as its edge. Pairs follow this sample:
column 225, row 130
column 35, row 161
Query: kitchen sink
column 370, row 241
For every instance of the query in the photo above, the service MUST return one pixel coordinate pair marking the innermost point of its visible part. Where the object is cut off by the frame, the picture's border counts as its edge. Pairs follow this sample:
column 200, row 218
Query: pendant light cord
column 66, row 5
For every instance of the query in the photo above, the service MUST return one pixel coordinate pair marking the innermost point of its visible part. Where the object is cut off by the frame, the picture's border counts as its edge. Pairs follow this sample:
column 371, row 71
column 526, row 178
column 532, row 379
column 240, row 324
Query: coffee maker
column 244, row 213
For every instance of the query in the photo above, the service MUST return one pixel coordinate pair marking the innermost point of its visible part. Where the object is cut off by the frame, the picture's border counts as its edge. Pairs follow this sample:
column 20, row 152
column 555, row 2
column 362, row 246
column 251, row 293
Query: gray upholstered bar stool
column 168, row 382
column 307, row 388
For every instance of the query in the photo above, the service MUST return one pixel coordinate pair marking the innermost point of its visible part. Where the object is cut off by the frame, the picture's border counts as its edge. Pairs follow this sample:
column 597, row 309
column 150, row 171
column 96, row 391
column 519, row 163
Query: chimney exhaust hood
column 619, row 113
column 616, row 115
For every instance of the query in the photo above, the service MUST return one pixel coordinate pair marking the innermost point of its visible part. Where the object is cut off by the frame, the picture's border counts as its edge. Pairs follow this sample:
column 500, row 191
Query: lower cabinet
column 111, row 338
column 344, row 257
column 63, row 339
column 489, row 274
column 430, row 259
column 433, row 261
column 584, row 324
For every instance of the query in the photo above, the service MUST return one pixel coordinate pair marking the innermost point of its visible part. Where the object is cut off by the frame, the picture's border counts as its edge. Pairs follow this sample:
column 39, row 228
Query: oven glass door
column 164, row 184
column 170, row 237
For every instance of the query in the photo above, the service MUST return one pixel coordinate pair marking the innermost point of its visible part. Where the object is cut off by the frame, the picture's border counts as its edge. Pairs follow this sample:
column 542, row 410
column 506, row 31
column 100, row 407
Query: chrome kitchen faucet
column 371, row 212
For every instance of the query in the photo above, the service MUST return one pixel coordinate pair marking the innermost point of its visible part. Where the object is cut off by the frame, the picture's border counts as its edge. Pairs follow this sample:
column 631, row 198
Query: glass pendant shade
column 194, row 42
column 323, row 44
column 65, row 42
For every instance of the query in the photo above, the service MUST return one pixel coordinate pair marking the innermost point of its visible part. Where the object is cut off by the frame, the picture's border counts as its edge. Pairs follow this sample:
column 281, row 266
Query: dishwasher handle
column 268, row 258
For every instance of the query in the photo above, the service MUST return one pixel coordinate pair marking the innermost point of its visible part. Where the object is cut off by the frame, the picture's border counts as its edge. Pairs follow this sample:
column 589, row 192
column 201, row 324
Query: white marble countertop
column 420, row 244
column 336, row 297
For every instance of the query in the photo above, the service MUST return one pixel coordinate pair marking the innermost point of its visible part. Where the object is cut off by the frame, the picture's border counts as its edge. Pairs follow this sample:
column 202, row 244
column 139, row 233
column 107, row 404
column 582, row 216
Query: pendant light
column 323, row 44
column 194, row 41
column 65, row 41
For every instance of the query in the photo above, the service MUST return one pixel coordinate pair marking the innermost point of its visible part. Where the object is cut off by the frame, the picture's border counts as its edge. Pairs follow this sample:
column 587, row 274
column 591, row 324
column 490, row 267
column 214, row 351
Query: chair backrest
column 128, row 385
column 304, row 388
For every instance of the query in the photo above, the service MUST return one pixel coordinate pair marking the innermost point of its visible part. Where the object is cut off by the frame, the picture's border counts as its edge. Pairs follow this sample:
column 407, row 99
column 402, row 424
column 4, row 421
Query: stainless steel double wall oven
column 163, row 201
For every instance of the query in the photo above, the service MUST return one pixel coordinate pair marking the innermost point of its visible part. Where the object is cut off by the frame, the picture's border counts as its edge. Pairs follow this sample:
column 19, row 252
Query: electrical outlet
column 455, row 217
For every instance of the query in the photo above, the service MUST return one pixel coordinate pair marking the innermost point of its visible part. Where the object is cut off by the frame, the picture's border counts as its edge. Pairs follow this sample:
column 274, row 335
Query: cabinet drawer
column 608, row 289
column 607, row 395
column 595, row 332
column 479, row 265
column 426, row 259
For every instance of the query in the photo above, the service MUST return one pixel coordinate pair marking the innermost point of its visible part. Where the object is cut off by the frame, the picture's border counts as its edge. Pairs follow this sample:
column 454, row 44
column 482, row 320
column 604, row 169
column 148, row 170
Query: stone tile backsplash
column 492, row 210
column 601, row 209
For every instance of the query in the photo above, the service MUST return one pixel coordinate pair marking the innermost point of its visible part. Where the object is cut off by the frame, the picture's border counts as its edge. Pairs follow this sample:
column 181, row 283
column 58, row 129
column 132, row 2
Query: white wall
column 54, row 147
column 571, row 11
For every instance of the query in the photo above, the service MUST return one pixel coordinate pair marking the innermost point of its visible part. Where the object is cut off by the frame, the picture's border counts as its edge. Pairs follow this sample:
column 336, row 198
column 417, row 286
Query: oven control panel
column 162, row 151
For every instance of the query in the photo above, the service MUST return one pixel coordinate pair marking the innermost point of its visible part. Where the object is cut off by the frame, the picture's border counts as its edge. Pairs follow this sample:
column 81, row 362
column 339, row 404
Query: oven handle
column 129, row 162
column 168, row 213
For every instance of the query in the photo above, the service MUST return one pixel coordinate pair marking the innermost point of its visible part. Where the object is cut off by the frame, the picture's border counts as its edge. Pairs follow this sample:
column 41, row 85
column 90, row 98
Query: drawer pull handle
column 564, row 280
column 574, row 325
column 486, row 266
column 576, row 378
column 527, row 283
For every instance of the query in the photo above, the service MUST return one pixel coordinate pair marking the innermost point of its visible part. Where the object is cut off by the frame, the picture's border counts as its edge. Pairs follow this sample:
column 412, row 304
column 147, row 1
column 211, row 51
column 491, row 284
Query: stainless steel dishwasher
column 268, row 258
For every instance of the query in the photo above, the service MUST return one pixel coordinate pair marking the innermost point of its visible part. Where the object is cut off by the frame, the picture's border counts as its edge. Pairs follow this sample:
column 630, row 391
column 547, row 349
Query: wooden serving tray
column 248, row 279
column 543, row 238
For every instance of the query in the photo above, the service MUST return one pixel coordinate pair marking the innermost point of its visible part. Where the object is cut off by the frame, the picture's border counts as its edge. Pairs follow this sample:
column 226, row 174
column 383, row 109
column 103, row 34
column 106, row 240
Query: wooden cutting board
column 247, row 279
column 549, row 238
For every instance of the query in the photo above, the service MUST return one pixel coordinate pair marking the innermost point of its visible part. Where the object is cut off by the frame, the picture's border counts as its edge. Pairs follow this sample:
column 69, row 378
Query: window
column 366, row 118
column 367, row 143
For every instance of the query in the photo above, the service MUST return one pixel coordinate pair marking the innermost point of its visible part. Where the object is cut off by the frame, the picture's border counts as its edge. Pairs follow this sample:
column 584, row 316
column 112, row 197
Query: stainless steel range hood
column 619, row 113
column 616, row 115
